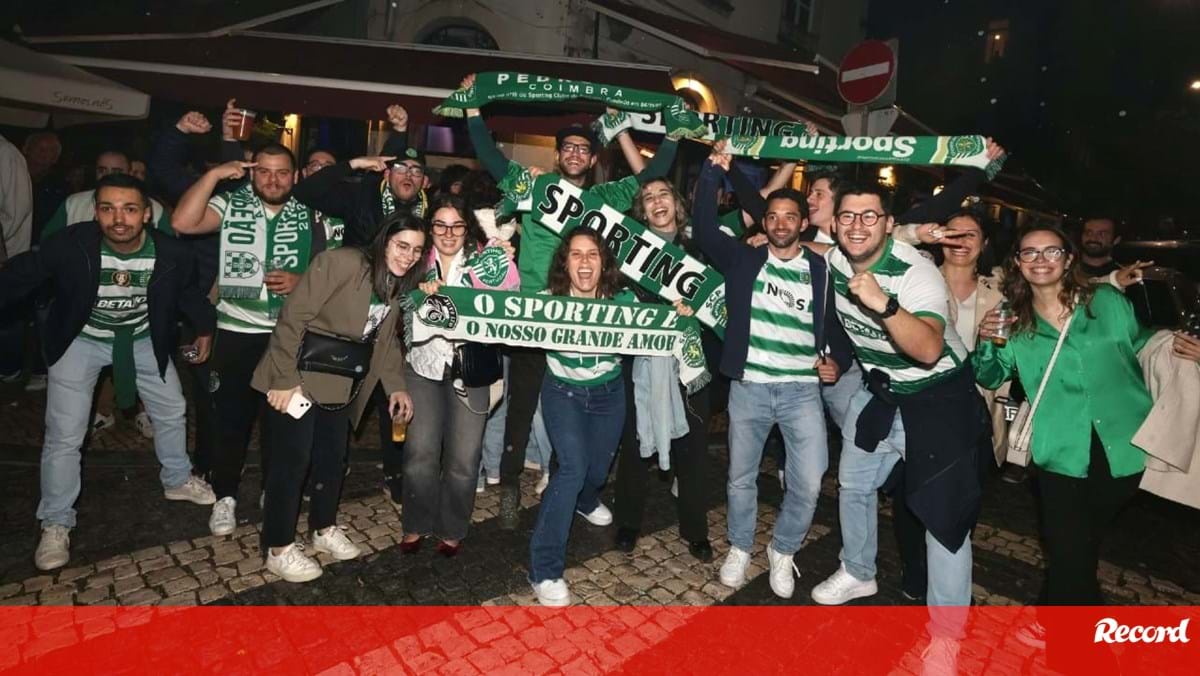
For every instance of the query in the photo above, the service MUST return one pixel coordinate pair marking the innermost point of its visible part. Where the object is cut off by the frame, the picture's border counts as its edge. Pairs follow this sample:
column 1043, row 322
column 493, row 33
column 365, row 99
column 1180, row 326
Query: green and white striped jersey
column 121, row 296
column 587, row 370
column 920, row 289
column 782, row 345
column 243, row 315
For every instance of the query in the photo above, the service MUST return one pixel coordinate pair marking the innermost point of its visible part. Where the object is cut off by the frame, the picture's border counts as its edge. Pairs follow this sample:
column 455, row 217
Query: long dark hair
column 681, row 208
column 386, row 285
column 476, row 237
column 1076, row 288
column 559, row 282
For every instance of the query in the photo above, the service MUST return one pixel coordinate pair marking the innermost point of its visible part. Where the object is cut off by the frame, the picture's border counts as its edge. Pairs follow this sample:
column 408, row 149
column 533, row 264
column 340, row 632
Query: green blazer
column 1096, row 383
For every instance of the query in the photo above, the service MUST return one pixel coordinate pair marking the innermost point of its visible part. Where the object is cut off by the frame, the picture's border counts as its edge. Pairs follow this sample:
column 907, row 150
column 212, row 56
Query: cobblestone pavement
column 132, row 547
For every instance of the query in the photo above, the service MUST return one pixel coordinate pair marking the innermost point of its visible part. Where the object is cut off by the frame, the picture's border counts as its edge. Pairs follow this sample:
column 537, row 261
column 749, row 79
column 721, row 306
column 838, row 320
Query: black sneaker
column 701, row 550
column 1014, row 474
column 626, row 540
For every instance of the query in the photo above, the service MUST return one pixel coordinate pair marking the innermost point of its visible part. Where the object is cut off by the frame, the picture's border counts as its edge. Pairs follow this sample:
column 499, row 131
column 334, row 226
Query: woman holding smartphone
column 352, row 294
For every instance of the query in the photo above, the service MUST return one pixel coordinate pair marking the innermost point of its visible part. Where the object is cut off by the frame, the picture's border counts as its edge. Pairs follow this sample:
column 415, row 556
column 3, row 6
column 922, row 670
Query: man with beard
column 396, row 182
column 1098, row 238
column 920, row 403
column 574, row 158
column 782, row 341
column 120, row 290
column 267, row 238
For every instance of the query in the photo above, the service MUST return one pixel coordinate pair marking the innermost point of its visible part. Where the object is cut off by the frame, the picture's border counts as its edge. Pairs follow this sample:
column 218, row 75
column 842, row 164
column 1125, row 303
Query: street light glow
column 1195, row 86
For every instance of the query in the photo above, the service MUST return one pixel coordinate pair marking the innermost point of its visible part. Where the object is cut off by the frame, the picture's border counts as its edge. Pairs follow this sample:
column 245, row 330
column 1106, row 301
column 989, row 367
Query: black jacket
column 70, row 259
column 741, row 263
column 359, row 204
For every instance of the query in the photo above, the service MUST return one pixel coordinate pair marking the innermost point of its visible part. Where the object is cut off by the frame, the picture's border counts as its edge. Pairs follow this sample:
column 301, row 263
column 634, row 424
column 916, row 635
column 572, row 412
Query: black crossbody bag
column 338, row 356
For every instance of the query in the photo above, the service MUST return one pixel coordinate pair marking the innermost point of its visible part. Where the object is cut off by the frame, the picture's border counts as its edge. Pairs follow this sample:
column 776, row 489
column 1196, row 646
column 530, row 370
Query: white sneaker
column 54, row 549
column 733, row 571
column 782, row 482
column 529, row 464
column 841, row 587
column 292, row 564
column 101, row 422
column 600, row 516
column 545, row 481
column 479, row 484
column 333, row 541
column 36, row 383
column 194, row 490
column 782, row 566
column 493, row 480
column 940, row 657
column 552, row 592
column 142, row 420
column 224, row 517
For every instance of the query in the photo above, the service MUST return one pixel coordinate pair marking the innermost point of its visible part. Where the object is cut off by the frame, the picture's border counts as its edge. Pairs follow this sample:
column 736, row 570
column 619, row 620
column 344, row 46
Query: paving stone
column 240, row 584
column 141, row 597
column 175, row 587
column 157, row 577
column 92, row 596
column 248, row 566
column 191, row 556
column 177, row 548
column 212, row 593
column 157, row 563
column 125, row 571
column 101, row 580
column 37, row 584
column 113, row 562
column 70, row 574
column 148, row 553
column 185, row 599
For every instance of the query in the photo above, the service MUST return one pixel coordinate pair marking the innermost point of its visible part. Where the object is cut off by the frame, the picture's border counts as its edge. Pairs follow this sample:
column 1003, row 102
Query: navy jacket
column 70, row 259
column 740, row 264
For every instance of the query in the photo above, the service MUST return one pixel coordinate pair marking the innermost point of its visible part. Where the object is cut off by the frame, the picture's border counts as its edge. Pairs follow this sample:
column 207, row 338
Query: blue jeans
column 585, row 425
column 838, row 395
column 753, row 409
column 538, row 448
column 860, row 475
column 68, row 407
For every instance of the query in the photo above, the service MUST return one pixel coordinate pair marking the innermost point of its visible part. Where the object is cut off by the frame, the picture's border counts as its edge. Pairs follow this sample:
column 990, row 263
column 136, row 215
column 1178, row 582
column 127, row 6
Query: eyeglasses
column 1050, row 253
column 102, row 170
column 575, row 149
column 402, row 248
column 410, row 169
column 440, row 228
column 868, row 218
column 317, row 165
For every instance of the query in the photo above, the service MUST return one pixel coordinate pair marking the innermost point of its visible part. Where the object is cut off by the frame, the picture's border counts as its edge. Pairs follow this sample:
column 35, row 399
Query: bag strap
column 1062, row 336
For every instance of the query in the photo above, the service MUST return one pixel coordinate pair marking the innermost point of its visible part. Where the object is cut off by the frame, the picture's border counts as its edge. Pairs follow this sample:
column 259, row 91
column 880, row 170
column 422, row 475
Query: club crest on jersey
column 122, row 278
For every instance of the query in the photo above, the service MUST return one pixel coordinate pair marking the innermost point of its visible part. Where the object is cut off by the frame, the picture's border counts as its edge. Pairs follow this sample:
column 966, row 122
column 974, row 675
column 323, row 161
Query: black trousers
column 689, row 460
column 236, row 406
column 526, row 372
column 318, row 440
column 1075, row 513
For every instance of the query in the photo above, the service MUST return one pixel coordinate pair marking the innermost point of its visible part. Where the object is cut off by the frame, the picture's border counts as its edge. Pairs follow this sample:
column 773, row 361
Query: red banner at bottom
column 589, row 640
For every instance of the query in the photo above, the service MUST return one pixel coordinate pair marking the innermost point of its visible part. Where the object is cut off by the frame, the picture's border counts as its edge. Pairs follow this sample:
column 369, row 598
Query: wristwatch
column 892, row 307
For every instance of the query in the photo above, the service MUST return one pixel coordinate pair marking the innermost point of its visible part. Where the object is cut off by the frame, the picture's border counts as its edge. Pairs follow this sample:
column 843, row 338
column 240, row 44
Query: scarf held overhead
column 561, row 323
column 678, row 121
column 252, row 245
column 659, row 266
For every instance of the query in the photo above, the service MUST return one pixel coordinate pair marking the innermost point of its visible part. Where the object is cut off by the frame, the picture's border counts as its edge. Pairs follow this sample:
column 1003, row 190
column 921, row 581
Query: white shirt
column 16, row 200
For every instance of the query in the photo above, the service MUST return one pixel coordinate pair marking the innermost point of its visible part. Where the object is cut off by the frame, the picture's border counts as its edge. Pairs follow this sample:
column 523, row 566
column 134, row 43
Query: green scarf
column 561, row 323
column 250, row 244
column 716, row 126
column 969, row 151
column 655, row 264
column 679, row 122
column 755, row 137
column 389, row 201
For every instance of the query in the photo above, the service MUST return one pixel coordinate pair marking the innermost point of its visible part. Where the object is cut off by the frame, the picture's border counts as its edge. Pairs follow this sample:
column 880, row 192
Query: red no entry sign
column 866, row 72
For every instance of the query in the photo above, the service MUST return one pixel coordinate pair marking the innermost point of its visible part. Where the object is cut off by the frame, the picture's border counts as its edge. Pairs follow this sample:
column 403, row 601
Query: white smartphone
column 298, row 406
